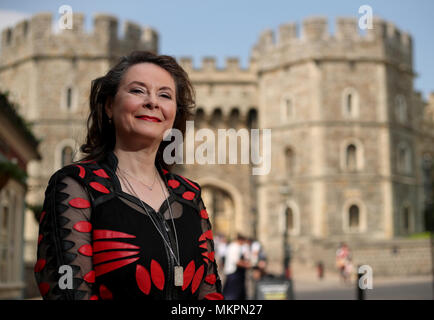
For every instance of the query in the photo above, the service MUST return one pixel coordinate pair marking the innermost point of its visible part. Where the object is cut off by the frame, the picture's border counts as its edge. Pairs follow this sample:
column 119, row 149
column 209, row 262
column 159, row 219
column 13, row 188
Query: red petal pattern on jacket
column 206, row 235
column 105, row 293
column 188, row 274
column 143, row 279
column 109, row 234
column 44, row 287
column 157, row 275
column 211, row 278
column 204, row 214
column 189, row 182
column 188, row 195
column 39, row 265
column 112, row 255
column 79, row 203
column 173, row 183
column 101, row 173
column 197, row 279
column 214, row 296
column 107, row 267
column 90, row 276
column 86, row 250
column 99, row 187
column 83, row 226
column 81, row 173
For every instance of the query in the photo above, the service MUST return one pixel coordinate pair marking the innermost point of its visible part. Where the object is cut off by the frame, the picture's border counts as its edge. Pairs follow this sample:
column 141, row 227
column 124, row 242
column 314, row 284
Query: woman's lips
column 148, row 118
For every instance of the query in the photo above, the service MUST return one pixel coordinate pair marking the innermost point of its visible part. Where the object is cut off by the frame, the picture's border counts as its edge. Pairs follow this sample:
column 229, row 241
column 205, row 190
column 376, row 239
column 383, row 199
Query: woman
column 121, row 222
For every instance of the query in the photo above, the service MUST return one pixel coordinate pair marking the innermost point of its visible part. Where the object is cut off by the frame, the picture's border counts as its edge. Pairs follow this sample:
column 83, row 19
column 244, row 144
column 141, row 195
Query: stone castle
column 352, row 141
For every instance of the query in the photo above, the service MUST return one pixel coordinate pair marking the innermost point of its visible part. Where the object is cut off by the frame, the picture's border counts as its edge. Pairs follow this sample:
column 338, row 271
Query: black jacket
column 112, row 247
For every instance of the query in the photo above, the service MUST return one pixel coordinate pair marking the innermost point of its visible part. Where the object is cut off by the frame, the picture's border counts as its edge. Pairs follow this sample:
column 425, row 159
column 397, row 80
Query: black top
column 112, row 246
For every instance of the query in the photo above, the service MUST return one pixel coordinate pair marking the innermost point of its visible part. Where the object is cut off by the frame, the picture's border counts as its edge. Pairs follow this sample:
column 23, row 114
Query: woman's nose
column 150, row 101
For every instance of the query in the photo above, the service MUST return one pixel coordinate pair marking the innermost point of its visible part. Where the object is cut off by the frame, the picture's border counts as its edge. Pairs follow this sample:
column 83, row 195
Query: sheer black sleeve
column 211, row 287
column 65, row 242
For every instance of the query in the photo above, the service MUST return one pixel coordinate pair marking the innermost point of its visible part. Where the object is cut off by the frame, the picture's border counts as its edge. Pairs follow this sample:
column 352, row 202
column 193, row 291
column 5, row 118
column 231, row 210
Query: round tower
column 344, row 164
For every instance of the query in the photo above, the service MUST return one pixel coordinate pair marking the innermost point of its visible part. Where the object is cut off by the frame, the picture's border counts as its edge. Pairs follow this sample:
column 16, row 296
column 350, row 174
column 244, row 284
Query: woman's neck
column 140, row 164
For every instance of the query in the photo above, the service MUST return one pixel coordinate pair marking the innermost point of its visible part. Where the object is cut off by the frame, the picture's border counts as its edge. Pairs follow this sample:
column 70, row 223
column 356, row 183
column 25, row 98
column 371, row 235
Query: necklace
column 149, row 187
column 178, row 269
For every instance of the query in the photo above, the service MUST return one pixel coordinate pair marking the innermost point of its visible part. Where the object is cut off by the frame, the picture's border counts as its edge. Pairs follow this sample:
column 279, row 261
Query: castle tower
column 226, row 100
column 345, row 155
column 49, row 75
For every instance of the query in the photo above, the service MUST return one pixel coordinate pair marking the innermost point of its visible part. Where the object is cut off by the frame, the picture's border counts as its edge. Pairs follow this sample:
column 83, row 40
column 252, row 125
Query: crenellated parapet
column 232, row 71
column 291, row 44
column 36, row 37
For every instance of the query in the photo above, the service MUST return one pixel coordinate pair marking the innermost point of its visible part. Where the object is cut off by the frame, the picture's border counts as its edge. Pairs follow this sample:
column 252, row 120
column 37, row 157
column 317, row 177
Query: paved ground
column 307, row 286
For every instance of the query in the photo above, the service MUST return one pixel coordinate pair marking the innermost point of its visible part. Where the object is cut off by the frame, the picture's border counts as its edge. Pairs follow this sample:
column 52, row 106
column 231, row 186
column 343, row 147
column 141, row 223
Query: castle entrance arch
column 221, row 210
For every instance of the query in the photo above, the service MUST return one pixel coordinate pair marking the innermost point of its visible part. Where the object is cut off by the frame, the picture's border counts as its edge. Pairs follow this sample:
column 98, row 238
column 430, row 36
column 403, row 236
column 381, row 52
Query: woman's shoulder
column 89, row 174
column 186, row 188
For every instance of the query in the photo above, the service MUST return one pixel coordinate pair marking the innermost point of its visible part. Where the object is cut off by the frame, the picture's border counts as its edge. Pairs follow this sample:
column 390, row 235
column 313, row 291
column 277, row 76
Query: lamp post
column 429, row 208
column 285, row 192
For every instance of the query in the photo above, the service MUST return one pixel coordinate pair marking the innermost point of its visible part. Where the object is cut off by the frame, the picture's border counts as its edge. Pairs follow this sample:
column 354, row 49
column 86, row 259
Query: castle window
column 287, row 107
column 351, row 157
column 289, row 161
column 350, row 103
column 69, row 98
column 217, row 117
column 234, row 118
column 404, row 159
column 289, row 215
column 252, row 118
column 199, row 117
column 401, row 109
column 354, row 218
column 406, row 219
column 67, row 156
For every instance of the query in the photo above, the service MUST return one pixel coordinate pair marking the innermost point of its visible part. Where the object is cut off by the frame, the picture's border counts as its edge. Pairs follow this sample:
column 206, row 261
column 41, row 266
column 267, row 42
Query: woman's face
column 144, row 106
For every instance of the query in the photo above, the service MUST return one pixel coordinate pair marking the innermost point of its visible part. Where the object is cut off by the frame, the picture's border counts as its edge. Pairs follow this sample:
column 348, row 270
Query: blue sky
column 223, row 28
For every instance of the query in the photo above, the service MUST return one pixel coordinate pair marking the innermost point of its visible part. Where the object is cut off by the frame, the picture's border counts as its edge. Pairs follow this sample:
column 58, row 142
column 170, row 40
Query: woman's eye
column 136, row 91
column 166, row 96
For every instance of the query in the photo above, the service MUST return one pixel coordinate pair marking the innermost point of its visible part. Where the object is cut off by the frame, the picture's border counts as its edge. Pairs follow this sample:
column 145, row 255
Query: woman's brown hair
column 101, row 138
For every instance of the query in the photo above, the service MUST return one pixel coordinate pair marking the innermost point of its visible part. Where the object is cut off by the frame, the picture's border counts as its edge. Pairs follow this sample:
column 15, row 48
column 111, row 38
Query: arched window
column 289, row 161
column 351, row 157
column 354, row 217
column 252, row 118
column 401, row 109
column 349, row 103
column 217, row 117
column 234, row 118
column 289, row 214
column 67, row 156
column 199, row 117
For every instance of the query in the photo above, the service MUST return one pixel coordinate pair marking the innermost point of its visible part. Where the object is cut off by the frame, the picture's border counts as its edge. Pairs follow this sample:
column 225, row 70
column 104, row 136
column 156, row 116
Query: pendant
column 179, row 276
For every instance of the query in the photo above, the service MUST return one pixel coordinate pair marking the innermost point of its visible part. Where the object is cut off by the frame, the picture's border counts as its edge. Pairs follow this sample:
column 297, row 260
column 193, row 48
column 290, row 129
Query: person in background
column 235, row 268
column 342, row 258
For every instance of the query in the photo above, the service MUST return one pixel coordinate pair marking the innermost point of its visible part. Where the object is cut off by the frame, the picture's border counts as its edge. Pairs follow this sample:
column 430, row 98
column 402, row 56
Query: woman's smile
column 148, row 118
